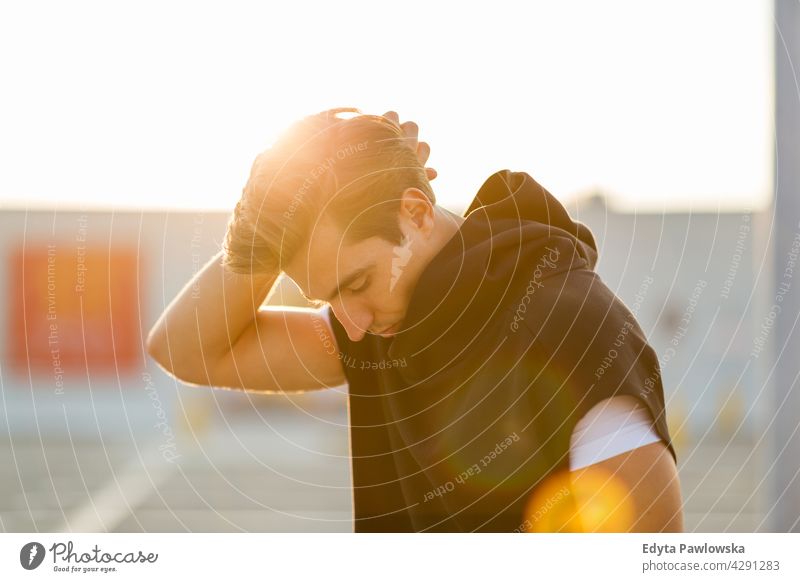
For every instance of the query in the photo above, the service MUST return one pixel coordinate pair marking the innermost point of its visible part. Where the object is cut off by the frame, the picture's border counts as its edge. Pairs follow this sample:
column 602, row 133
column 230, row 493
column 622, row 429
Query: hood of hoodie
column 515, row 235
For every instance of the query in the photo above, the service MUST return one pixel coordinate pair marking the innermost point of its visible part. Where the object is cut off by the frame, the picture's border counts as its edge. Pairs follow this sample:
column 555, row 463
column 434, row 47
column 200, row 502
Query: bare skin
column 644, row 479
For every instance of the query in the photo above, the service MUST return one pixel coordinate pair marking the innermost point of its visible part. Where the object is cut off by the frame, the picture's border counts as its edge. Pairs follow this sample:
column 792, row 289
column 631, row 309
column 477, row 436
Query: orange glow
column 605, row 503
column 592, row 500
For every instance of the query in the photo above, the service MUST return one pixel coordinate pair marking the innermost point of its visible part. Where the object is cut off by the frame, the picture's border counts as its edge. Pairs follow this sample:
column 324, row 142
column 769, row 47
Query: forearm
column 207, row 317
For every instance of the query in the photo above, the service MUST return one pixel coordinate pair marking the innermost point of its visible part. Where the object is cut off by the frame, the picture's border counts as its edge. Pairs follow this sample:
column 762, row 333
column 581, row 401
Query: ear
column 417, row 214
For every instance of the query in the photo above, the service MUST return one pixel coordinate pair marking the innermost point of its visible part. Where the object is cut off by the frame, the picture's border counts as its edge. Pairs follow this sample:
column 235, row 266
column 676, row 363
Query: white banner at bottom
column 378, row 557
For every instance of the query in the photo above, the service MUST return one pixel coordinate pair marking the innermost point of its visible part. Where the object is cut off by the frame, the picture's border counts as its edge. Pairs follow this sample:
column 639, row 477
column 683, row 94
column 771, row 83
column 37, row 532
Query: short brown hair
column 354, row 169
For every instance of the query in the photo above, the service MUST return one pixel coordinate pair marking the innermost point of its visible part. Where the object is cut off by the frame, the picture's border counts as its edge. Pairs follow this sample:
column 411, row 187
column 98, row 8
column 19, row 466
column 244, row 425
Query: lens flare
column 592, row 500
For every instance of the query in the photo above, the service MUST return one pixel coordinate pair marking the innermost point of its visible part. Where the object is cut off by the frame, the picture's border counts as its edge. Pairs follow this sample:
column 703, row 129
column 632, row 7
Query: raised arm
column 216, row 333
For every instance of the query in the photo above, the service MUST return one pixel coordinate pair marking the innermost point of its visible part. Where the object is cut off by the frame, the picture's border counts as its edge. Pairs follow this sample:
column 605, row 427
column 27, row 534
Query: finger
column 423, row 152
column 410, row 132
column 410, row 129
column 431, row 173
column 392, row 116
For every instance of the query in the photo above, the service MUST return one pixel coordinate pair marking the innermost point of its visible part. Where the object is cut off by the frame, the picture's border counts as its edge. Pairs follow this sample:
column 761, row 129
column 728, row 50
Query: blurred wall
column 689, row 278
column 112, row 395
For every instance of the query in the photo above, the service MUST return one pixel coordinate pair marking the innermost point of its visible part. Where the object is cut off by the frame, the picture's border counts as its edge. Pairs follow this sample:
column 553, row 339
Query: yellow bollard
column 731, row 412
column 194, row 413
column 678, row 422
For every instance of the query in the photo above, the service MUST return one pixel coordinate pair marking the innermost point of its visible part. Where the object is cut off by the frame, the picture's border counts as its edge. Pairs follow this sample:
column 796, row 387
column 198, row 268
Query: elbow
column 157, row 347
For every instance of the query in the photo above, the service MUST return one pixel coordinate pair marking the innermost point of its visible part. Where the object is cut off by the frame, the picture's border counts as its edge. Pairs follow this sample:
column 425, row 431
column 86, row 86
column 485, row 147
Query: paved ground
column 278, row 470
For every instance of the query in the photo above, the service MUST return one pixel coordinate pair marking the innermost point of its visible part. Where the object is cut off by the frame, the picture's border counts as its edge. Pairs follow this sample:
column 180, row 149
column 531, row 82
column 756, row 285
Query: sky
column 661, row 105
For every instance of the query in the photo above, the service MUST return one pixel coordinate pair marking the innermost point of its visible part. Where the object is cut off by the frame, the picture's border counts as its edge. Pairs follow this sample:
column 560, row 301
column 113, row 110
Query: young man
column 495, row 383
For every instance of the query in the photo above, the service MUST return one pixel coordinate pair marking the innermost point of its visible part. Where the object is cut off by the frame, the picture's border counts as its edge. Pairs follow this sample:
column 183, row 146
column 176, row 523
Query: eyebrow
column 342, row 284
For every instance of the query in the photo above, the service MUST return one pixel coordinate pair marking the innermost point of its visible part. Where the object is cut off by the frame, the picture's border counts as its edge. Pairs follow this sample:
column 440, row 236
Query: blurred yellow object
column 195, row 413
column 678, row 422
column 731, row 412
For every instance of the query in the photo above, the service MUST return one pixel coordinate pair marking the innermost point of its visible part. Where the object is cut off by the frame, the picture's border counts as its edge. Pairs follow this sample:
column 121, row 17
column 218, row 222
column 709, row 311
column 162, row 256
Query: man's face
column 367, row 283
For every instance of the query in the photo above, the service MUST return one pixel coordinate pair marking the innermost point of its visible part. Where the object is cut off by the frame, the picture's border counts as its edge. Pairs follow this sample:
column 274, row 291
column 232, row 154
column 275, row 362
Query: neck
column 447, row 225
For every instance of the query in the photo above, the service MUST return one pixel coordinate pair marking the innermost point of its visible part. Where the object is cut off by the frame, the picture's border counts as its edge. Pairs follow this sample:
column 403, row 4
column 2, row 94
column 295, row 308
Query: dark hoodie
column 462, row 421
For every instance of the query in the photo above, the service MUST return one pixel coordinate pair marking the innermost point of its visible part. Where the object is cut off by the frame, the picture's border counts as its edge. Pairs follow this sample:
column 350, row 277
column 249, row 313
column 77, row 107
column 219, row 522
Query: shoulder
column 618, row 459
column 590, row 348
column 570, row 297
column 574, row 317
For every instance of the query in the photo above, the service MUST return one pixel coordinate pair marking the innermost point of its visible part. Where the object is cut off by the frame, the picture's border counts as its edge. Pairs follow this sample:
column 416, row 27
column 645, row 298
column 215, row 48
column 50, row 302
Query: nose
column 354, row 319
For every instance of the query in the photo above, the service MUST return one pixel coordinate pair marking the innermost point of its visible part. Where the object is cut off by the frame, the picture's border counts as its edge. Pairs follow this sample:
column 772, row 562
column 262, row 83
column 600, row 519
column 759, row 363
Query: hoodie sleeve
column 593, row 349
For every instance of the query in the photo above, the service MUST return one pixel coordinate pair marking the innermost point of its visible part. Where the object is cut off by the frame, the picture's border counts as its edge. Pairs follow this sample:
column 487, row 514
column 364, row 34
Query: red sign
column 74, row 308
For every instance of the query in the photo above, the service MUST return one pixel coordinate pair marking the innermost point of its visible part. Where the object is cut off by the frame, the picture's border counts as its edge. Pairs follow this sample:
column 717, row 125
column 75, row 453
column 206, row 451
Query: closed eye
column 362, row 287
